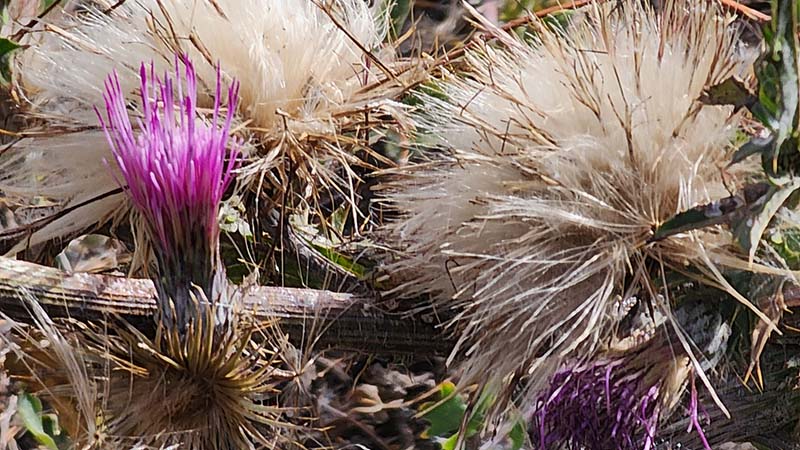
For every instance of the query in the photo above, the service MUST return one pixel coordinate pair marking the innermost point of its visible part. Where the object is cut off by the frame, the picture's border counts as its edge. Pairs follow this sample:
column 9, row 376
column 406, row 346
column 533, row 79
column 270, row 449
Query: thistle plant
column 176, row 174
column 619, row 399
column 600, row 405
column 615, row 402
column 305, row 81
column 198, row 391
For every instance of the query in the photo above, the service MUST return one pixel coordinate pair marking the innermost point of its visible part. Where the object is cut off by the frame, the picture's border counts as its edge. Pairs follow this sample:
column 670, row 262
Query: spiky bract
column 200, row 390
column 555, row 160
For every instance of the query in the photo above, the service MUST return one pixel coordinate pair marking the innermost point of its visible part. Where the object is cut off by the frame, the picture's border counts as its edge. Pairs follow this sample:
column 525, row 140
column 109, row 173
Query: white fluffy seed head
column 288, row 55
column 300, row 63
column 555, row 161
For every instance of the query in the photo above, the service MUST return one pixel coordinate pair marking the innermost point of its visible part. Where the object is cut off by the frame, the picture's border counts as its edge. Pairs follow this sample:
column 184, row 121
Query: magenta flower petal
column 174, row 165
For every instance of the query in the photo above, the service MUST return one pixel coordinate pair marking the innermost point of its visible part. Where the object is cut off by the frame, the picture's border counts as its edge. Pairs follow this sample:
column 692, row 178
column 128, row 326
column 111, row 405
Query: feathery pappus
column 308, row 72
column 553, row 160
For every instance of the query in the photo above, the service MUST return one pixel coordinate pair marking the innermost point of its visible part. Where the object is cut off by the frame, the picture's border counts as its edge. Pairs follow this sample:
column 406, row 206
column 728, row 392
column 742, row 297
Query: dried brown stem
column 335, row 320
column 546, row 12
column 746, row 10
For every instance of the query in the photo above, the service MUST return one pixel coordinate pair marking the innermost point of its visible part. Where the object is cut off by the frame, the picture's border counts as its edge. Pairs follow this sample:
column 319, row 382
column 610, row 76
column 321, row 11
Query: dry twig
column 344, row 321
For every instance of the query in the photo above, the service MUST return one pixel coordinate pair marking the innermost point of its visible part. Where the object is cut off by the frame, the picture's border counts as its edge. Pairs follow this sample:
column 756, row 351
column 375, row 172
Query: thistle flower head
column 301, row 67
column 600, row 405
column 201, row 390
column 556, row 158
column 616, row 401
column 175, row 170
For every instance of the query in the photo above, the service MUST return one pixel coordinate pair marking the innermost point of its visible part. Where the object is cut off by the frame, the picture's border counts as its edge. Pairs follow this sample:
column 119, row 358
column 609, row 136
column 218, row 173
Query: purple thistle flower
column 599, row 406
column 175, row 171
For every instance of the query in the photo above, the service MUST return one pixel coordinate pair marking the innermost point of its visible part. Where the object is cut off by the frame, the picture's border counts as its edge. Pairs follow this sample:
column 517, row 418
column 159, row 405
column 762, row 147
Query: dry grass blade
column 746, row 10
column 49, row 359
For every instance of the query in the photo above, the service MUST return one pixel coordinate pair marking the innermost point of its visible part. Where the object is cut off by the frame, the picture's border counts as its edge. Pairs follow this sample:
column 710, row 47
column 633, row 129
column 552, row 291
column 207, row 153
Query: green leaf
column 768, row 96
column 341, row 260
column 475, row 423
column 732, row 211
column 432, row 88
column 756, row 145
column 558, row 21
column 717, row 212
column 47, row 3
column 7, row 47
column 513, row 9
column 787, row 244
column 29, row 409
column 338, row 220
column 51, row 426
column 748, row 231
column 399, row 13
column 778, row 93
column 446, row 415
column 450, row 443
column 732, row 91
column 232, row 219
column 517, row 435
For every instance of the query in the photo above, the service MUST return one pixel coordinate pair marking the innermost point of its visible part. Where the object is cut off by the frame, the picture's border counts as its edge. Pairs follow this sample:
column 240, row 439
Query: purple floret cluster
column 598, row 406
column 174, row 167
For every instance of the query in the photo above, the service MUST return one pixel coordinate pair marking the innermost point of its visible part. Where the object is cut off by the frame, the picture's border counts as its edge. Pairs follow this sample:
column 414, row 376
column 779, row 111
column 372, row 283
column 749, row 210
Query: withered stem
column 340, row 321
